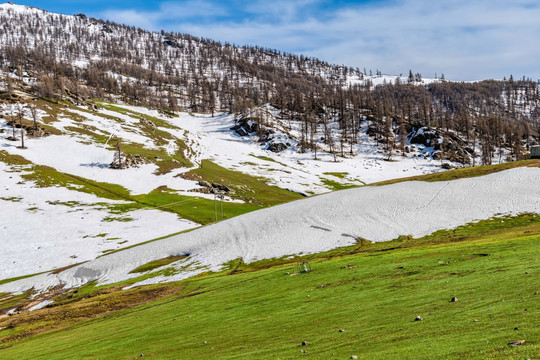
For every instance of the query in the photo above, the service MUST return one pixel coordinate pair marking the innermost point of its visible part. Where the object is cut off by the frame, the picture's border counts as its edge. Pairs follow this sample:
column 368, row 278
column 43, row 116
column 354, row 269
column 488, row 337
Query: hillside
column 125, row 135
column 66, row 176
column 321, row 223
column 355, row 302
column 158, row 188
column 318, row 105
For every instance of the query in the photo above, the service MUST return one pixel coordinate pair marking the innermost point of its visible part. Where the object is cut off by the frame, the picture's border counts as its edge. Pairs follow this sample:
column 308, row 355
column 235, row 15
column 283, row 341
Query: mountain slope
column 313, row 225
column 268, row 128
column 76, row 58
column 360, row 301
column 107, row 208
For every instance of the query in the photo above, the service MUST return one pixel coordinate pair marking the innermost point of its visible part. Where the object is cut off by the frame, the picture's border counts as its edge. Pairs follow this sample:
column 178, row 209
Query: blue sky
column 464, row 39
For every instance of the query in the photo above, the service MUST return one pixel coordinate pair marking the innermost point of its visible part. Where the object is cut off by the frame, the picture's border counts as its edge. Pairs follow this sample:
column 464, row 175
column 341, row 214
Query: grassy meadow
column 360, row 300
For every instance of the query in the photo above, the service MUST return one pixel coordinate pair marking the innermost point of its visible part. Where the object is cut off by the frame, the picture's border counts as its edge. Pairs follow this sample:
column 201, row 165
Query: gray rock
column 241, row 132
column 277, row 147
column 221, row 187
column 445, row 166
column 204, row 183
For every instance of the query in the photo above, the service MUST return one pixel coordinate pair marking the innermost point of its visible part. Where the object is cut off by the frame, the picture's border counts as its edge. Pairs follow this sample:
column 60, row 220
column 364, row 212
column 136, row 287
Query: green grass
column 197, row 209
column 137, row 115
column 45, row 176
column 160, row 157
column 200, row 210
column 373, row 294
column 254, row 191
column 161, row 138
column 164, row 161
column 334, row 185
column 90, row 131
column 13, row 160
column 11, row 198
column 156, row 264
column 266, row 158
column 117, row 218
column 248, row 188
column 5, row 281
column 340, row 175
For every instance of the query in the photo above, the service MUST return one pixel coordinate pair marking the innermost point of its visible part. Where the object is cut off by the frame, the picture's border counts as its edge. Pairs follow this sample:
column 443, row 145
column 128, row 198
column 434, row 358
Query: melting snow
column 375, row 213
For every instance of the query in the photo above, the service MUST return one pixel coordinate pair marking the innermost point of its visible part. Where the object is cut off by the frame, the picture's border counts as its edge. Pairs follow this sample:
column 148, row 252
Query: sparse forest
column 75, row 58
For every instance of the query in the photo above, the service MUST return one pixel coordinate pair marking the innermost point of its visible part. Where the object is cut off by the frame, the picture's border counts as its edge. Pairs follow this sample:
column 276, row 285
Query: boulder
column 204, row 184
column 267, row 135
column 278, row 147
column 446, row 166
column 240, row 131
column 221, row 187
column 425, row 136
column 451, row 147
column 246, row 126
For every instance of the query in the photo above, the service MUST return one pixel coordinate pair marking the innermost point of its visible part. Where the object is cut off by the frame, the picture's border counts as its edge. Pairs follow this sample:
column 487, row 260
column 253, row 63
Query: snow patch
column 374, row 213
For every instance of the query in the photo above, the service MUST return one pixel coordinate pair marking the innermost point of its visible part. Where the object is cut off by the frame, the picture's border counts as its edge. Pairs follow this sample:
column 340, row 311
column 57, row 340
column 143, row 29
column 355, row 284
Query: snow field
column 208, row 138
column 47, row 228
column 213, row 139
column 318, row 224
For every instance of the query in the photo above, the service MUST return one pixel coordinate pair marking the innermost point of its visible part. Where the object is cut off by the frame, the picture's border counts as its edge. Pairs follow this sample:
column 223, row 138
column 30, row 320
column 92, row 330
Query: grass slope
column 373, row 292
column 254, row 191
column 251, row 189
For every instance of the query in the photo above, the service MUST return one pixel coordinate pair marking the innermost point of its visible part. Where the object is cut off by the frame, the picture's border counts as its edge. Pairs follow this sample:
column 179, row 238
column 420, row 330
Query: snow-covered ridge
column 317, row 224
column 385, row 79
column 7, row 6
column 32, row 27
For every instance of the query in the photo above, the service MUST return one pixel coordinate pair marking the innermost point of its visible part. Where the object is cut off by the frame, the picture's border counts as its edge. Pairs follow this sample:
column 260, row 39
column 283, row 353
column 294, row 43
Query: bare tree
column 33, row 112
column 12, row 121
column 118, row 162
column 20, row 115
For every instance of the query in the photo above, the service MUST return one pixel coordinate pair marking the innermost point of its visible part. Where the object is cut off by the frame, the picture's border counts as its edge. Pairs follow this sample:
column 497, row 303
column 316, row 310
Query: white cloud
column 466, row 40
column 132, row 18
column 280, row 10
column 190, row 9
column 166, row 12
